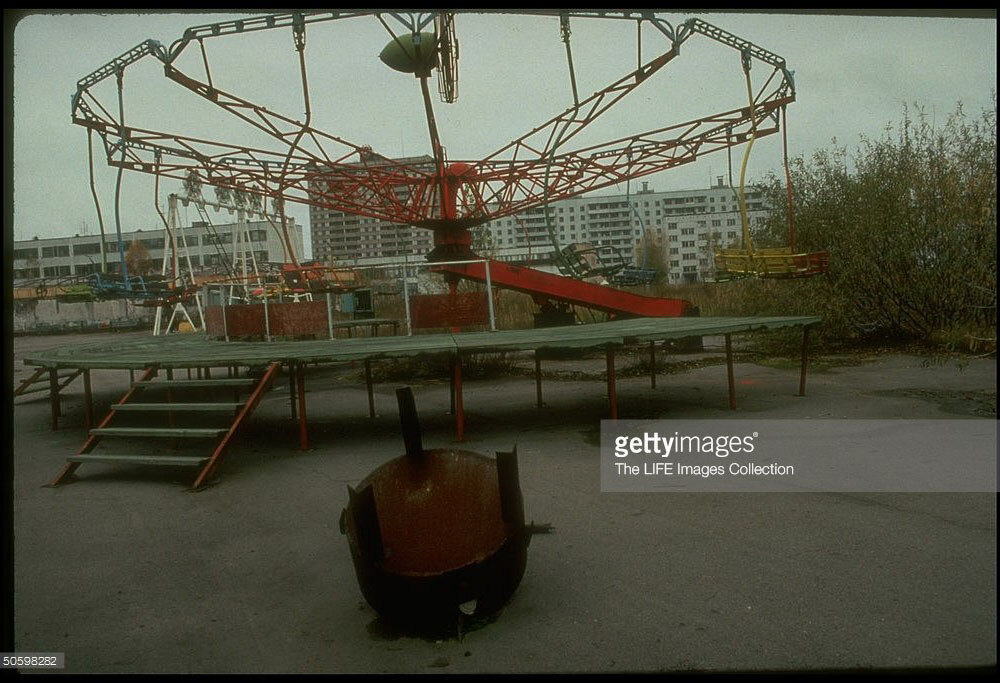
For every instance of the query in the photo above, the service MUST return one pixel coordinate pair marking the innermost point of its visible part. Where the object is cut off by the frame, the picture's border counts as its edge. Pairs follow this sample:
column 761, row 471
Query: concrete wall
column 46, row 314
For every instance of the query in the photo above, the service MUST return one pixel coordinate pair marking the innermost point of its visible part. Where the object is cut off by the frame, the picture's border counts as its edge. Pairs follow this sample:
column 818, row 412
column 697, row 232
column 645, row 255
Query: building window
column 54, row 271
column 55, row 251
column 687, row 231
column 687, row 243
column 88, row 248
column 26, row 253
column 25, row 273
column 716, row 223
column 155, row 243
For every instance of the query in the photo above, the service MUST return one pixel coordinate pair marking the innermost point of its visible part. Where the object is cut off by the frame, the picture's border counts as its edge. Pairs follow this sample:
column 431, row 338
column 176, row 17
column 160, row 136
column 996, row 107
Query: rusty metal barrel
column 437, row 532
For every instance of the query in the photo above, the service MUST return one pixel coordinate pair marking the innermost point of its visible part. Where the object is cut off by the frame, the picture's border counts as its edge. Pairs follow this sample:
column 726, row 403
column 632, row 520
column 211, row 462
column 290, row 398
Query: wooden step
column 177, row 432
column 177, row 407
column 169, row 460
column 226, row 382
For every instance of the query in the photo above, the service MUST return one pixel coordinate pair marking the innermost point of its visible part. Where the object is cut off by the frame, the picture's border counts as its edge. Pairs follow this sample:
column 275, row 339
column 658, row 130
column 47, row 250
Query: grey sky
column 852, row 76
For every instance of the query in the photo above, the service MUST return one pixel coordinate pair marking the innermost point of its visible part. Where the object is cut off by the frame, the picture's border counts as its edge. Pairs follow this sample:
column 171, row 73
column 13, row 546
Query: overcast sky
column 852, row 76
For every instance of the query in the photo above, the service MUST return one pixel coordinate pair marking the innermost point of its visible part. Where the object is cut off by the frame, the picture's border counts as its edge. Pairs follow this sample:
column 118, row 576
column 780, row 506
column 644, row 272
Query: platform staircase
column 134, row 407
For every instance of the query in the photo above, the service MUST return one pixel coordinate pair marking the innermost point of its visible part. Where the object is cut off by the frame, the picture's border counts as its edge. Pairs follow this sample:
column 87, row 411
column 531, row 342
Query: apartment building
column 208, row 246
column 689, row 225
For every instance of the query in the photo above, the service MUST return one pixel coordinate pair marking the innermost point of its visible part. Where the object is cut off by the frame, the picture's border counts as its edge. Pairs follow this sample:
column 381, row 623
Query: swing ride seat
column 776, row 263
column 573, row 262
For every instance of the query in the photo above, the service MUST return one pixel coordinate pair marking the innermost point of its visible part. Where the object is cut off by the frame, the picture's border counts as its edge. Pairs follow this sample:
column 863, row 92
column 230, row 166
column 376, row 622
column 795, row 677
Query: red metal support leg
column 805, row 360
column 54, row 397
column 303, row 429
column 652, row 365
column 88, row 402
column 371, row 390
column 459, row 407
column 291, row 389
column 538, row 380
column 248, row 408
column 729, row 372
column 612, row 392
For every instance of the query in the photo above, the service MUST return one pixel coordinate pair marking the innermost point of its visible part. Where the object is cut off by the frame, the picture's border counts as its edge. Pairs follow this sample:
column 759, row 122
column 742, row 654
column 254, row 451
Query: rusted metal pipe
column 409, row 422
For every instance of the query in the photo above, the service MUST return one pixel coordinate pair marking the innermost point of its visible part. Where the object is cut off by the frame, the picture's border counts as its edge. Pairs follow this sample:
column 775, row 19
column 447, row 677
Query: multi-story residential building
column 207, row 245
column 688, row 225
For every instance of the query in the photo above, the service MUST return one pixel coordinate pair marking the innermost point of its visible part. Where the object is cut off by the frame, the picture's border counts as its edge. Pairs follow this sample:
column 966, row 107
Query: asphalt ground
column 124, row 570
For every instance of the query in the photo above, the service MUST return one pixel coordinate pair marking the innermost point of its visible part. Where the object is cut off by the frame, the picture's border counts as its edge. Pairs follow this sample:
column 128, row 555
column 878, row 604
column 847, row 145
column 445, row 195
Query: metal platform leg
column 729, row 372
column 459, row 407
column 291, row 388
column 538, row 379
column 612, row 393
column 371, row 391
column 805, row 360
column 54, row 397
column 88, row 402
column 303, row 430
column 652, row 365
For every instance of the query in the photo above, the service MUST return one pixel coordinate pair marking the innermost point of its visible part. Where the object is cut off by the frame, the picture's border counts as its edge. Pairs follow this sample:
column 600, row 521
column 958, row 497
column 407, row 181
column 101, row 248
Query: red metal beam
column 248, row 408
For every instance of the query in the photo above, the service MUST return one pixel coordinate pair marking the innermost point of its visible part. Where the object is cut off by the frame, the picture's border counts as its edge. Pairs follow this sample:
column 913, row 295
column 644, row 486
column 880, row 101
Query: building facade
column 687, row 225
column 207, row 245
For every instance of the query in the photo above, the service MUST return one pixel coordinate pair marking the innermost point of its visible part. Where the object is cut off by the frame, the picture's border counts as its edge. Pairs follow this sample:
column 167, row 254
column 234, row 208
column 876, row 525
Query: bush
column 911, row 231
